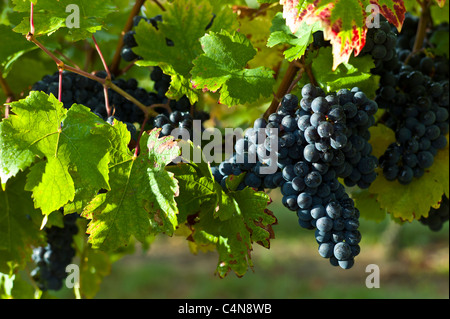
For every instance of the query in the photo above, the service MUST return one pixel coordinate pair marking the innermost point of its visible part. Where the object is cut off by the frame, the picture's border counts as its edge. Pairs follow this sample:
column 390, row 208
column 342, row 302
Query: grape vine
column 336, row 115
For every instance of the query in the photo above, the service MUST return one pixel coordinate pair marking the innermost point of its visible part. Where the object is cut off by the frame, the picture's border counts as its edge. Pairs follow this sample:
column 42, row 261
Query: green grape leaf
column 381, row 137
column 440, row 39
column 19, row 223
column 355, row 72
column 281, row 34
column 184, row 23
column 82, row 19
column 412, row 201
column 223, row 66
column 141, row 200
column 367, row 205
column 72, row 142
column 234, row 235
column 257, row 29
column 97, row 265
column 439, row 14
column 17, row 46
column 230, row 220
column 343, row 22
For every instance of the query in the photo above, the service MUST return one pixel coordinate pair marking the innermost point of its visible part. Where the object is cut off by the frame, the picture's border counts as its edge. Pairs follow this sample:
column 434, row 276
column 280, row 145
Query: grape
column 324, row 224
column 325, row 129
column 304, row 200
column 289, row 103
column 309, row 91
column 313, row 179
column 326, row 249
column 320, row 105
column 342, row 251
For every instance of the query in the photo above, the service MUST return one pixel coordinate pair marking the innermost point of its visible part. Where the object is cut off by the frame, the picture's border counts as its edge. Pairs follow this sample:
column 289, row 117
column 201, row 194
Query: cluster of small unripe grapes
column 51, row 260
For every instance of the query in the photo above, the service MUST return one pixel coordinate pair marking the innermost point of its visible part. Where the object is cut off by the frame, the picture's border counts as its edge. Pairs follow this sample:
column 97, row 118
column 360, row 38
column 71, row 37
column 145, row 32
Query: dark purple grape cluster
column 417, row 111
column 81, row 90
column 381, row 45
column 312, row 142
column 51, row 260
column 414, row 93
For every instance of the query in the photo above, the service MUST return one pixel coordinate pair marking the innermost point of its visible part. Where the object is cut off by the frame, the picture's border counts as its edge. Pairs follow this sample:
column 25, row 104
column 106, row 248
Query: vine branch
column 105, row 88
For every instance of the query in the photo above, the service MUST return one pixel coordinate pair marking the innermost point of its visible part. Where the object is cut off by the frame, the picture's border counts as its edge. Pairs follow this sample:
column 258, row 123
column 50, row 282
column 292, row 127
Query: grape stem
column 101, row 57
column 105, row 88
column 128, row 26
column 60, row 71
column 148, row 111
column 32, row 30
column 292, row 76
column 137, row 150
column 67, row 58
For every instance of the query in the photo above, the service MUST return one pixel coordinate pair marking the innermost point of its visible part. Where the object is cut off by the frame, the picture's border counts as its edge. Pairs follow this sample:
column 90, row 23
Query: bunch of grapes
column 81, row 90
column 381, row 45
column 313, row 142
column 418, row 114
column 414, row 93
column 52, row 260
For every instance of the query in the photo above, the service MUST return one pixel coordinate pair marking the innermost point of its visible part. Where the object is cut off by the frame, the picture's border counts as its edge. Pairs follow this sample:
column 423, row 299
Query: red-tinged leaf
column 343, row 21
column 393, row 10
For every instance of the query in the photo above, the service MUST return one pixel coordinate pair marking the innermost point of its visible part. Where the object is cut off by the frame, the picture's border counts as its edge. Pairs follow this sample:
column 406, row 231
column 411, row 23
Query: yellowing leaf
column 412, row 201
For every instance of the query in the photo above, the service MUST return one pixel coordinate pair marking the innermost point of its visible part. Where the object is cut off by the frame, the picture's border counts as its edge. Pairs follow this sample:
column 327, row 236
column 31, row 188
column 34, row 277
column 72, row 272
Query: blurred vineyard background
column 413, row 262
